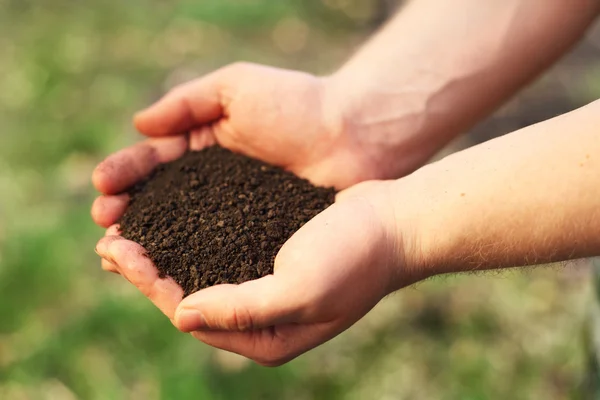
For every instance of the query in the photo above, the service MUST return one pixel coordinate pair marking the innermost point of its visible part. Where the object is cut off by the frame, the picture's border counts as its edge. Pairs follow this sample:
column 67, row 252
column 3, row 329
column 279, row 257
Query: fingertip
column 96, row 213
column 163, row 118
column 106, row 210
column 125, row 251
column 113, row 230
column 238, row 308
column 125, row 168
column 140, row 122
column 215, row 304
column 183, row 108
column 129, row 257
column 105, row 176
column 99, row 179
column 189, row 320
column 104, row 247
column 133, row 263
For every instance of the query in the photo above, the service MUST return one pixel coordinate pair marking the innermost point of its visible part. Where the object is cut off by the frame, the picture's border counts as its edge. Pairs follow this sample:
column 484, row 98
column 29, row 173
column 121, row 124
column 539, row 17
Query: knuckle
column 147, row 290
column 240, row 319
column 152, row 290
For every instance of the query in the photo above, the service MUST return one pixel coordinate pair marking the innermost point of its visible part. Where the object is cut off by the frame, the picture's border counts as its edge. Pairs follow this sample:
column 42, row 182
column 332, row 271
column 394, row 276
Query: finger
column 107, row 265
column 133, row 263
column 249, row 306
column 126, row 167
column 107, row 210
column 202, row 137
column 270, row 347
column 113, row 230
column 183, row 108
column 169, row 148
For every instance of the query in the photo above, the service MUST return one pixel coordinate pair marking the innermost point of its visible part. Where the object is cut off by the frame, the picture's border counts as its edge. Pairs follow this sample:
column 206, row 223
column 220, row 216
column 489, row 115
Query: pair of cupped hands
column 329, row 274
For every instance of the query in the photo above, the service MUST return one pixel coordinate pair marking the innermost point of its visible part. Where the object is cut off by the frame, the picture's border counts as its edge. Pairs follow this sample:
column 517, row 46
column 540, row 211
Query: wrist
column 390, row 128
column 394, row 230
column 423, row 226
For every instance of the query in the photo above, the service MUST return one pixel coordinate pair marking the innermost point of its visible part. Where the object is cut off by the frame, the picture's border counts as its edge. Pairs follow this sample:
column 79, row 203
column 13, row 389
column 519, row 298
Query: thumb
column 252, row 305
column 187, row 106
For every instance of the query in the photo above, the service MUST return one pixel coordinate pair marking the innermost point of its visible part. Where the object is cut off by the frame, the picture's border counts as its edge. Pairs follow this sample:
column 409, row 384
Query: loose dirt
column 215, row 217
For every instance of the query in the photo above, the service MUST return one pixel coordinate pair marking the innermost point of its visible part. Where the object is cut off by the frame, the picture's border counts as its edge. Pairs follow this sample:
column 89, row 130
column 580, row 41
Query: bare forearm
column 439, row 67
column 530, row 197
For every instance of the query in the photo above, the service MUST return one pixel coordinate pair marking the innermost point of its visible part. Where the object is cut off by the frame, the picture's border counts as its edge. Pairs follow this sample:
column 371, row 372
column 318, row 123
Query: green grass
column 71, row 76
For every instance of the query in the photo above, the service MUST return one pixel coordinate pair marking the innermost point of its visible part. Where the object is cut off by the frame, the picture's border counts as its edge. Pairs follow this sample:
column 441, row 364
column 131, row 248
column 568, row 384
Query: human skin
column 526, row 198
column 351, row 127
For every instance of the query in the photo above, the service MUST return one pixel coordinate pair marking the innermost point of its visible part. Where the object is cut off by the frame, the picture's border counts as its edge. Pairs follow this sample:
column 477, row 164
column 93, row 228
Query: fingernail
column 190, row 320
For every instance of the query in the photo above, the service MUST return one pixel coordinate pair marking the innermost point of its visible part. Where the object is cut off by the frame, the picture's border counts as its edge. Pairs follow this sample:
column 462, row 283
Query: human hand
column 327, row 276
column 286, row 118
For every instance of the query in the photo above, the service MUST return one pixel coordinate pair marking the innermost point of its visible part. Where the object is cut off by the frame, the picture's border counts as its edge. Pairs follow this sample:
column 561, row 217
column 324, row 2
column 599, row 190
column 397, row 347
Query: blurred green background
column 71, row 75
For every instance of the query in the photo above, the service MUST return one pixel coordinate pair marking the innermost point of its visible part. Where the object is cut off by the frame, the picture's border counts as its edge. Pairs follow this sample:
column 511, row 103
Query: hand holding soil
column 327, row 276
column 453, row 215
column 284, row 118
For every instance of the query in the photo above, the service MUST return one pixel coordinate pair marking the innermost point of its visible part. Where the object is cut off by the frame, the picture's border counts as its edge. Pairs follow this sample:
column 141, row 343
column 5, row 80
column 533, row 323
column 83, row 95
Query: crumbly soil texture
column 214, row 216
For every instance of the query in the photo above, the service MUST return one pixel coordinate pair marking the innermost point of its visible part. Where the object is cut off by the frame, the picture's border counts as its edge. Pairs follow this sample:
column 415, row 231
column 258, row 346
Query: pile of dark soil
column 214, row 216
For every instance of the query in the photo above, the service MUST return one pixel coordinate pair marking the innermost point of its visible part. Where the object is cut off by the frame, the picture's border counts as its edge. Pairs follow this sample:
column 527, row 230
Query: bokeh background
column 71, row 75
